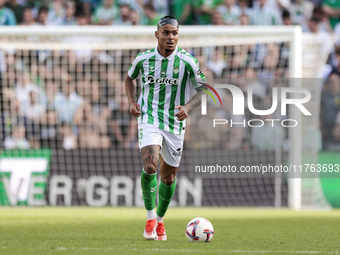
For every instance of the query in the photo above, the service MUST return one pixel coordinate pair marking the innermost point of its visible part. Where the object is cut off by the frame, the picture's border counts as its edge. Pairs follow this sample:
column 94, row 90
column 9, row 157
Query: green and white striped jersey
column 166, row 83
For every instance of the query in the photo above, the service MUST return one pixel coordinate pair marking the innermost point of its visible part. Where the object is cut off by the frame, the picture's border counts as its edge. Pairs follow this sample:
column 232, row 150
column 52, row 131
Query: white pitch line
column 184, row 250
column 237, row 251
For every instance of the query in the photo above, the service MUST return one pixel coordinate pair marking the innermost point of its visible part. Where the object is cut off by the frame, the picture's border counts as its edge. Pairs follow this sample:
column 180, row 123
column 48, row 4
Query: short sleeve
column 197, row 78
column 135, row 68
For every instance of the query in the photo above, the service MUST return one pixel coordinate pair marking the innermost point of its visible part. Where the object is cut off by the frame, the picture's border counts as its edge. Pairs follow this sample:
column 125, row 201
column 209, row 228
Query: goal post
column 106, row 47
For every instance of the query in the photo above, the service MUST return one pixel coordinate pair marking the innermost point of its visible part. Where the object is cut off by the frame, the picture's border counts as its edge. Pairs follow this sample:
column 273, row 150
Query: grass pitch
column 85, row 230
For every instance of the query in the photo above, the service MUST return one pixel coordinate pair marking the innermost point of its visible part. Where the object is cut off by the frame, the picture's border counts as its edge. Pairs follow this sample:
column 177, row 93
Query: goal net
column 67, row 137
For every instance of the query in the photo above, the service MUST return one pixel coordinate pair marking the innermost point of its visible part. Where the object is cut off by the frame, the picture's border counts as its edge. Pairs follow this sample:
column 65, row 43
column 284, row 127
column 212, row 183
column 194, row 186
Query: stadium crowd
column 309, row 14
column 71, row 99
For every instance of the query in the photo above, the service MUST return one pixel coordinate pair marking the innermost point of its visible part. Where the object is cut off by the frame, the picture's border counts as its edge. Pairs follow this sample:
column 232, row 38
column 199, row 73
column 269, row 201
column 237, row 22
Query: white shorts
column 171, row 144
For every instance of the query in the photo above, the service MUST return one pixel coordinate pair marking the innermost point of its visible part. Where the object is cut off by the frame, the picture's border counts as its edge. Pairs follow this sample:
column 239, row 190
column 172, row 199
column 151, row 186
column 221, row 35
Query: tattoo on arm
column 195, row 100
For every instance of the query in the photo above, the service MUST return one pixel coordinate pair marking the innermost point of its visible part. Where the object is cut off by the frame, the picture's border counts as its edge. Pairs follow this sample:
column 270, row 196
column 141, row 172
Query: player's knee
column 169, row 180
column 150, row 169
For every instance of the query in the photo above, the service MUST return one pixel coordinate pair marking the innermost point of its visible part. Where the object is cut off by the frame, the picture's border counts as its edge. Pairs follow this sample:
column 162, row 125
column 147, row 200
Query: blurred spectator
column 56, row 13
column 135, row 18
column 216, row 19
column 7, row 17
column 244, row 20
column 332, row 10
column 70, row 14
column 322, row 36
column 301, row 11
column 69, row 139
column 90, row 137
column 35, row 5
column 68, row 105
column 182, row 10
column 286, row 19
column 89, row 6
column 105, row 14
column 51, row 89
column 7, row 64
column 35, row 108
column 93, row 120
column 278, row 5
column 99, row 107
column 27, row 18
column 124, row 15
column 42, row 16
column 204, row 10
column 330, row 106
column 230, row 12
column 124, row 127
column 251, row 81
column 312, row 26
column 16, row 8
column 151, row 15
column 334, row 63
column 320, row 15
column 337, row 29
column 82, row 19
column 216, row 62
column 237, row 62
column 264, row 15
column 23, row 88
column 17, row 140
column 161, row 7
column 12, row 117
column 245, row 6
column 270, row 61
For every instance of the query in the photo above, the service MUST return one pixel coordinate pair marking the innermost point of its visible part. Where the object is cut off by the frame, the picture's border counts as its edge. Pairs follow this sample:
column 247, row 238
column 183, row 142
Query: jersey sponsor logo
column 161, row 80
column 177, row 153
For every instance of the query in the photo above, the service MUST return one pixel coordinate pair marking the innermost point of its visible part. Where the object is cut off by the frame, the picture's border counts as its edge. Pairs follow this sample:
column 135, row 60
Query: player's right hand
column 135, row 110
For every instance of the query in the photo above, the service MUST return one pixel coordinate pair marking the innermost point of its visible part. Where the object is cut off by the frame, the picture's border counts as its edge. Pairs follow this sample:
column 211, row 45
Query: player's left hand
column 183, row 112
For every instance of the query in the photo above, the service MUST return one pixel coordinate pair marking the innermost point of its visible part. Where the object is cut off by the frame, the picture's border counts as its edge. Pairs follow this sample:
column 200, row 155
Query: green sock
column 149, row 186
column 165, row 193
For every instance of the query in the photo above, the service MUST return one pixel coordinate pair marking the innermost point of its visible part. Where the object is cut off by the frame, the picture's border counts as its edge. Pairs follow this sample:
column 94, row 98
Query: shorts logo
column 140, row 134
column 177, row 153
column 169, row 81
column 153, row 189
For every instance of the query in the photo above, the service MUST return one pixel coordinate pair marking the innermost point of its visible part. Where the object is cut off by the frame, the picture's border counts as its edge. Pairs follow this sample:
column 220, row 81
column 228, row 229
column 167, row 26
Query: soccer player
column 167, row 74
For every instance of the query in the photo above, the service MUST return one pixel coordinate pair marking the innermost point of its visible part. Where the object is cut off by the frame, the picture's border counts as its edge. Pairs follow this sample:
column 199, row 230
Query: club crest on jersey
column 161, row 80
column 176, row 71
column 152, row 68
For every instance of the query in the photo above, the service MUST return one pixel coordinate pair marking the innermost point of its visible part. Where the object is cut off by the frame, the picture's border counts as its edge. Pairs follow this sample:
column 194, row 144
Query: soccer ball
column 199, row 230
